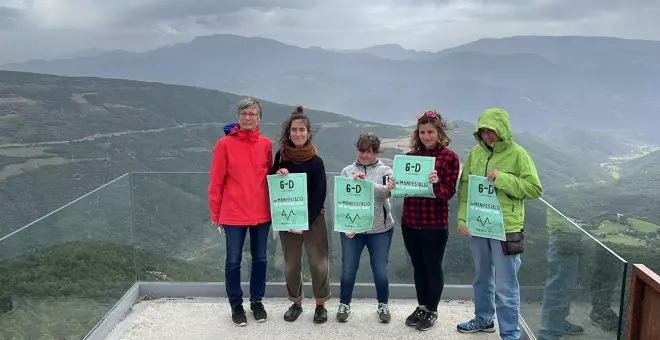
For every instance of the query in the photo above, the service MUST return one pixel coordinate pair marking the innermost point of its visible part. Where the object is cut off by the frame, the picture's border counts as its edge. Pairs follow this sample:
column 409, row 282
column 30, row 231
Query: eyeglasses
column 430, row 114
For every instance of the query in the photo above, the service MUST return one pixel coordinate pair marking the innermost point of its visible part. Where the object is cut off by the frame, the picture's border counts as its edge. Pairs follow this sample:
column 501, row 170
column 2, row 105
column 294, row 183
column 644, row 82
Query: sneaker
column 383, row 313
column 473, row 326
column 605, row 319
column 238, row 316
column 427, row 321
column 413, row 319
column 293, row 313
column 320, row 314
column 572, row 329
column 258, row 311
column 344, row 312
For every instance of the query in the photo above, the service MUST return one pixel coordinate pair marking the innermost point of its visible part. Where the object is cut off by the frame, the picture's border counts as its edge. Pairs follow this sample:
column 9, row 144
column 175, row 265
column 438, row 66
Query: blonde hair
column 440, row 124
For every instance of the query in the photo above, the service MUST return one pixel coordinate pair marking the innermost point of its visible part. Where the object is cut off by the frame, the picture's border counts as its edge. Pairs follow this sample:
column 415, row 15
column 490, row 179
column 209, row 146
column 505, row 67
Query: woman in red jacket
column 238, row 200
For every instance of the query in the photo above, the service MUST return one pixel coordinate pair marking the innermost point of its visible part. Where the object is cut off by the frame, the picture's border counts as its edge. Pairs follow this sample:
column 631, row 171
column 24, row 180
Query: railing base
column 150, row 290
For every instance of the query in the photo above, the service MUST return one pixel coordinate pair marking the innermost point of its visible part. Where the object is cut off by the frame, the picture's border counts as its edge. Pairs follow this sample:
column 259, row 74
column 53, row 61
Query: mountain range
column 544, row 82
column 61, row 137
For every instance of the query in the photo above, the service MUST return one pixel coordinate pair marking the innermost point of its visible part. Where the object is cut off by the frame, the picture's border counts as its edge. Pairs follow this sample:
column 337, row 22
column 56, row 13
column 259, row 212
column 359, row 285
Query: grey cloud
column 575, row 10
column 9, row 18
column 176, row 9
column 560, row 10
column 544, row 10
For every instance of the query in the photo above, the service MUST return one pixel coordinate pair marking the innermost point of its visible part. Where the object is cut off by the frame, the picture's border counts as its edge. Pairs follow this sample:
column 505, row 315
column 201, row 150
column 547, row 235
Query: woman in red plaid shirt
column 424, row 220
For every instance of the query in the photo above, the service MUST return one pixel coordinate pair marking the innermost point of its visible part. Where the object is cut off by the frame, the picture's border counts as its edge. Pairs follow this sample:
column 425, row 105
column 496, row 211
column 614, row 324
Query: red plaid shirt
column 432, row 213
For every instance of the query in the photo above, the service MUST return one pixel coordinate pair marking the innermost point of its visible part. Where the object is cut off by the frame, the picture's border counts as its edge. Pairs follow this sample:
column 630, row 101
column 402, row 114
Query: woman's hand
column 350, row 235
column 390, row 183
column 492, row 175
column 433, row 177
column 464, row 231
column 297, row 232
column 282, row 171
column 360, row 175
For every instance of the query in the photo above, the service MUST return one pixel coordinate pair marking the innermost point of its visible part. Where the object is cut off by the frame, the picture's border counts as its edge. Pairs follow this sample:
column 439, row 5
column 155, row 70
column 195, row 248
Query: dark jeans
column 426, row 248
column 235, row 238
column 378, row 246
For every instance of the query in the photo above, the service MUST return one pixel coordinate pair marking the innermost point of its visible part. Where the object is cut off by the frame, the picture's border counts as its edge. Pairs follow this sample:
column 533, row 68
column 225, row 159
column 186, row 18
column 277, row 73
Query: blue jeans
column 379, row 250
column 496, row 287
column 235, row 238
column 563, row 264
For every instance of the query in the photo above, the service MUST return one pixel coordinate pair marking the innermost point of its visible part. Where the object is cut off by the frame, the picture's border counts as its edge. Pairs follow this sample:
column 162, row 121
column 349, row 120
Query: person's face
column 489, row 136
column 298, row 132
column 248, row 118
column 366, row 156
column 428, row 135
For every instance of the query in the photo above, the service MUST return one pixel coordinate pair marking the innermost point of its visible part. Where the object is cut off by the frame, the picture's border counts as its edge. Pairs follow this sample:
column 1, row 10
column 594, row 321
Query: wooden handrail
column 644, row 305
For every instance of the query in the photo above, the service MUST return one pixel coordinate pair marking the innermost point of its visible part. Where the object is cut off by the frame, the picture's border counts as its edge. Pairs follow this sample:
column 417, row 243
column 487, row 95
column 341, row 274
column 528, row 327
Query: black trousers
column 426, row 248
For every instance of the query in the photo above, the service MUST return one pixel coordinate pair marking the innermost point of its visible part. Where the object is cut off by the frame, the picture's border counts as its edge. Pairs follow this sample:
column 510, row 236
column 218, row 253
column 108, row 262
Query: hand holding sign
column 492, row 175
column 463, row 230
column 360, row 175
column 433, row 177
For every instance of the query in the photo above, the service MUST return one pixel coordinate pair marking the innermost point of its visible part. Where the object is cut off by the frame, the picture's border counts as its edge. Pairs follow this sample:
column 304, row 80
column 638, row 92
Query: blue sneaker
column 473, row 326
column 571, row 329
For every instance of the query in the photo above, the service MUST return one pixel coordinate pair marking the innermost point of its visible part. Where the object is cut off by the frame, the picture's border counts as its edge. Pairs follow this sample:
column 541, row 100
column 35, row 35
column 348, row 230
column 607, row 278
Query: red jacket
column 238, row 189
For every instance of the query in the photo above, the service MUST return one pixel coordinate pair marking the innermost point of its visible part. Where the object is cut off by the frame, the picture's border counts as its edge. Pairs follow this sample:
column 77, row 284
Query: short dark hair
column 368, row 141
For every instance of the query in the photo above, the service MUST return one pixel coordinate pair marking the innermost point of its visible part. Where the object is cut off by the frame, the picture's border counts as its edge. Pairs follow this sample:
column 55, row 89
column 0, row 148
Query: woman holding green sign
column 499, row 174
column 297, row 154
column 378, row 239
column 424, row 220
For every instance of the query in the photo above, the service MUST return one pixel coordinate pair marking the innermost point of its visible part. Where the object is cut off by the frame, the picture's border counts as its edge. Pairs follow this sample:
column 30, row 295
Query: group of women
column 238, row 200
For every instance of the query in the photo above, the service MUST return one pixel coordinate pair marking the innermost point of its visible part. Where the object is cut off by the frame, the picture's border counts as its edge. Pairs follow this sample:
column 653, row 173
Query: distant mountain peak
column 386, row 46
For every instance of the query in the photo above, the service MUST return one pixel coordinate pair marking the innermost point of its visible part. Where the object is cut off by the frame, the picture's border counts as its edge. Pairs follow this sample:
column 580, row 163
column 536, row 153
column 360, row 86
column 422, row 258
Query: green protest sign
column 353, row 205
column 288, row 202
column 484, row 214
column 411, row 176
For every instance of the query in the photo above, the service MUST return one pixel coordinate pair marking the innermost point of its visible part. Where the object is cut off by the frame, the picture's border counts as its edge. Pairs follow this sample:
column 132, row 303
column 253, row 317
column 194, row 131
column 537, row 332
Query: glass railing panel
column 175, row 240
column 61, row 274
column 570, row 282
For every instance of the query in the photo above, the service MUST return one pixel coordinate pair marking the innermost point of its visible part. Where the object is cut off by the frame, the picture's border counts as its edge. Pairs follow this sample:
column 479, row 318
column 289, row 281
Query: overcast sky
column 48, row 28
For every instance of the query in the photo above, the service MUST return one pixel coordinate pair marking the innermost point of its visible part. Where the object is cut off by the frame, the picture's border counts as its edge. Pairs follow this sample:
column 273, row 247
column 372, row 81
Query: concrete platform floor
column 209, row 318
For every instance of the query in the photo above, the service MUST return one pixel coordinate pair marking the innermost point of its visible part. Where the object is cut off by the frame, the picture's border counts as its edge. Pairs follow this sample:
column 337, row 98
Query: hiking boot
column 473, row 326
column 238, row 316
column 344, row 312
column 293, row 313
column 258, row 311
column 605, row 319
column 383, row 313
column 572, row 329
column 427, row 321
column 320, row 314
column 413, row 319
